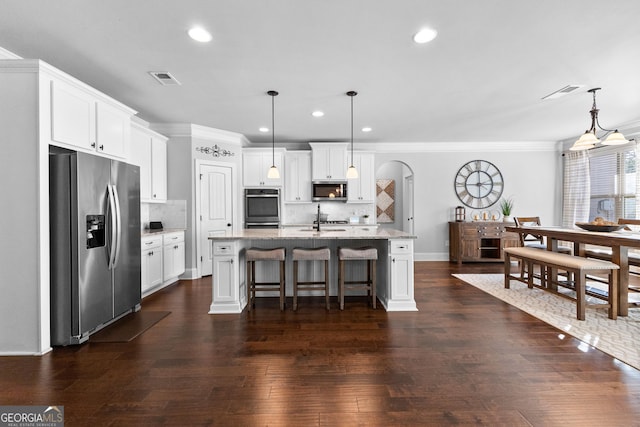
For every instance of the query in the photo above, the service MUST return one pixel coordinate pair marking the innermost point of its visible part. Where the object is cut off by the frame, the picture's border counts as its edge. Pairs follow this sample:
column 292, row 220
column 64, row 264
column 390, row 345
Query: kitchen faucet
column 317, row 226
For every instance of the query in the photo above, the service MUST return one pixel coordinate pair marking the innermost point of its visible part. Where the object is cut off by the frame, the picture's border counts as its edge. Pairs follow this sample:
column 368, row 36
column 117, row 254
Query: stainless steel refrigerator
column 95, row 243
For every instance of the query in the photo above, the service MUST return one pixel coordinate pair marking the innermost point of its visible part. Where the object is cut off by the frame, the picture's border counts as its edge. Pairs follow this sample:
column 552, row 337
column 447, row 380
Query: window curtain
column 637, row 149
column 577, row 183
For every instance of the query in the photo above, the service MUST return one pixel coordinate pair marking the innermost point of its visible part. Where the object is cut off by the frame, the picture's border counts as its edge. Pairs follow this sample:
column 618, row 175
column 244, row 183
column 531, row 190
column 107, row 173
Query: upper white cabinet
column 149, row 151
column 81, row 119
column 329, row 160
column 256, row 164
column 297, row 188
column 363, row 188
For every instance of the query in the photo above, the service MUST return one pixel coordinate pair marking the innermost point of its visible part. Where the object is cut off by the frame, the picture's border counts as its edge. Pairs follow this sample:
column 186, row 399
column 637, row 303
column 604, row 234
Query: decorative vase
column 507, row 218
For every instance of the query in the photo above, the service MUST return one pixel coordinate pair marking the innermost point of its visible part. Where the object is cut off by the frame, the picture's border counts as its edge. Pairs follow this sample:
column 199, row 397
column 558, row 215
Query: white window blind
column 613, row 188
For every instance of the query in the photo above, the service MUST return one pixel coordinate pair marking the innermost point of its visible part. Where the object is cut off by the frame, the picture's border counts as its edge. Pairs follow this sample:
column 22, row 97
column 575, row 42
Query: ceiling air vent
column 562, row 92
column 165, row 78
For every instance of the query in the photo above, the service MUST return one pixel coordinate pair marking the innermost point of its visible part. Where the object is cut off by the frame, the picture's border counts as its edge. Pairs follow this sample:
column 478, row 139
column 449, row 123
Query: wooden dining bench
column 576, row 265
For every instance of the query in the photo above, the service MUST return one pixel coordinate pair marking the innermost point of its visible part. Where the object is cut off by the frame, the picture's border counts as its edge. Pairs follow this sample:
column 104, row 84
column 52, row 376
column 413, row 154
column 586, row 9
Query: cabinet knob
column 93, row 145
column 101, row 147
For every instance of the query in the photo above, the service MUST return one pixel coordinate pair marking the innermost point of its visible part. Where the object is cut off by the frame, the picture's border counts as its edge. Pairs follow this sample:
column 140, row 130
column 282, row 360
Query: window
column 613, row 183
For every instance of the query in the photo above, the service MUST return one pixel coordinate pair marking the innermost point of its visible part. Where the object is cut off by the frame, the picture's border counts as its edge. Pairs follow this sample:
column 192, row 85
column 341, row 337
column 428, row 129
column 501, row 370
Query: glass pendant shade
column 273, row 173
column 586, row 141
column 352, row 172
column 616, row 138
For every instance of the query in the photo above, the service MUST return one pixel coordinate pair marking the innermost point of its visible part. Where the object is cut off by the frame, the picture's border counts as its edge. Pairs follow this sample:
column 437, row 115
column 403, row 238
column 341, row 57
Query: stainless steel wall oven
column 262, row 208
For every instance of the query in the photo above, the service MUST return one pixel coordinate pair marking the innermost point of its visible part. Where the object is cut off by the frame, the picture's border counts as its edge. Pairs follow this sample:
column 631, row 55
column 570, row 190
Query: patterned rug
column 618, row 338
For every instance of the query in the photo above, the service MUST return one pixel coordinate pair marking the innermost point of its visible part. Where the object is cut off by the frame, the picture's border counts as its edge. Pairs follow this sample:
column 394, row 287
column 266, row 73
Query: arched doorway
column 394, row 196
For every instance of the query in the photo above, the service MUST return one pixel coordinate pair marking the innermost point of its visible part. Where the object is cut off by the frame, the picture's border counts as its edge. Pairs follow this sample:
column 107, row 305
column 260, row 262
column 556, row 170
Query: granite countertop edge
column 149, row 232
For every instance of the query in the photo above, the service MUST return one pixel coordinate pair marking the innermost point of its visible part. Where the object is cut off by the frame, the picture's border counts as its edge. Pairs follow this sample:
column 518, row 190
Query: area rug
column 618, row 338
column 129, row 327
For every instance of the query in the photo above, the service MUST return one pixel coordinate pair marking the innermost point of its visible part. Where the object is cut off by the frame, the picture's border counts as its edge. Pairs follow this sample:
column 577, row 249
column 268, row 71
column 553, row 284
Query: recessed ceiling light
column 200, row 34
column 263, row 129
column 317, row 114
column 425, row 35
column 366, row 129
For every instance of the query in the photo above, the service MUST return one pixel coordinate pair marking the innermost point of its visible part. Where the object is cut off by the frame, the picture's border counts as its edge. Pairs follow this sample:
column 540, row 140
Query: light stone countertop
column 306, row 232
column 149, row 232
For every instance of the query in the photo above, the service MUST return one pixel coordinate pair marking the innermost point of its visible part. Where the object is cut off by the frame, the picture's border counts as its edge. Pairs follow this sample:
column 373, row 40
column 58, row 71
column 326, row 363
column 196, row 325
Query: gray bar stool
column 368, row 253
column 259, row 254
column 310, row 254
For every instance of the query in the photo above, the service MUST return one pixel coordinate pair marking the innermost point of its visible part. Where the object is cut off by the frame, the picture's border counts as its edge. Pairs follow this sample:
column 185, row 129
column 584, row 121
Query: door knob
column 229, row 224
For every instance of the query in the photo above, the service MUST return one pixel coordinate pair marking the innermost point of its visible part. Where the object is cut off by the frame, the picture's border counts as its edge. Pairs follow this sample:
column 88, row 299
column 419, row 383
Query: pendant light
column 352, row 172
column 273, row 170
column 589, row 139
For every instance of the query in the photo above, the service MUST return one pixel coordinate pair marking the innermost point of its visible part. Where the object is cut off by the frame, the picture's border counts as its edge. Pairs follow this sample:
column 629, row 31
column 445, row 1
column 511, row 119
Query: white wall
column 183, row 141
column 532, row 175
column 24, row 254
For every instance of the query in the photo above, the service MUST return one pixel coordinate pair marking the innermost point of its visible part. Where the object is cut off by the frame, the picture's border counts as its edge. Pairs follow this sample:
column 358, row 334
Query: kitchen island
column 394, row 268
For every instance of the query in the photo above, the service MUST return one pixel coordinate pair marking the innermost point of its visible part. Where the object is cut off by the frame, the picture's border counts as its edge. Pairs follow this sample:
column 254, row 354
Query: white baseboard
column 431, row 256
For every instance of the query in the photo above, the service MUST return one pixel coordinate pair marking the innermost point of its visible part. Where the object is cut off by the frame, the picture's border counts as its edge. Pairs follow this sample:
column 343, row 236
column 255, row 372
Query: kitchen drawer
column 400, row 246
column 224, row 248
column 176, row 237
column 151, row 242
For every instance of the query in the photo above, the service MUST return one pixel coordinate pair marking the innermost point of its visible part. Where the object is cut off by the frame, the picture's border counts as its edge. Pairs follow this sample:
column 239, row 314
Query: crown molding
column 455, row 147
column 191, row 130
column 7, row 54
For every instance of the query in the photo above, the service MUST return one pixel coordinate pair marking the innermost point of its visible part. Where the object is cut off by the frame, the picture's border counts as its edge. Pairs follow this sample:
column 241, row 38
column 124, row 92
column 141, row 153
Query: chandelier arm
column 601, row 128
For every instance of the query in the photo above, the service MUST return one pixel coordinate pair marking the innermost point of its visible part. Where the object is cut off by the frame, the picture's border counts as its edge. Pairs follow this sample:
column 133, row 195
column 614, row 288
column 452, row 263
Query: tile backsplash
column 306, row 213
column 173, row 214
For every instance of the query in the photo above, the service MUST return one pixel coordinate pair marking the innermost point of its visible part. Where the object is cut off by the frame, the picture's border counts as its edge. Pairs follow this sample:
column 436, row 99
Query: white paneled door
column 216, row 213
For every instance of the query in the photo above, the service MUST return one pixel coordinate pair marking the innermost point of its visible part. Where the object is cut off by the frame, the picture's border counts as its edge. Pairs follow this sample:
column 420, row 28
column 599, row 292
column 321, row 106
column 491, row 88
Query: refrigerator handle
column 118, row 222
column 112, row 226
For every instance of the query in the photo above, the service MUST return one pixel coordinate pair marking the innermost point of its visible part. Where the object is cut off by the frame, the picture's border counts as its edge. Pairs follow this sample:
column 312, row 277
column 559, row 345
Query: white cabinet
column 173, row 255
column 81, row 120
column 149, row 151
column 256, row 164
column 329, row 160
column 362, row 189
column 228, row 296
column 297, row 187
column 401, row 275
column 151, row 263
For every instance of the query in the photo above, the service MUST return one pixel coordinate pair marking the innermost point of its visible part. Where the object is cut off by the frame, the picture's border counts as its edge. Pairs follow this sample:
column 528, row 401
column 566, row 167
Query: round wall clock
column 478, row 184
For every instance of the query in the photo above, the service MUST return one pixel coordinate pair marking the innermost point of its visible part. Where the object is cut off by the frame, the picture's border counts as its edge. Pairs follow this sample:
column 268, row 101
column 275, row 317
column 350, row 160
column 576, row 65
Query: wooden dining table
column 618, row 241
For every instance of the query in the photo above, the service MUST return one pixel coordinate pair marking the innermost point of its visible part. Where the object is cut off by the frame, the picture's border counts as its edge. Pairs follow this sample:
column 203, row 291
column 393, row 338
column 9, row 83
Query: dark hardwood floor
column 465, row 358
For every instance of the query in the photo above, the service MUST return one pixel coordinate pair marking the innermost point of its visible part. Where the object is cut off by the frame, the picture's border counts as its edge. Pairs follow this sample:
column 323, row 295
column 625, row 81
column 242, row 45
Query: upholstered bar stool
column 310, row 254
column 368, row 253
column 259, row 254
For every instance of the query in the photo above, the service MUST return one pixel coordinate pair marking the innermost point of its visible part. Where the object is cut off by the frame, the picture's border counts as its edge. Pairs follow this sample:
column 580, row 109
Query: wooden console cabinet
column 479, row 241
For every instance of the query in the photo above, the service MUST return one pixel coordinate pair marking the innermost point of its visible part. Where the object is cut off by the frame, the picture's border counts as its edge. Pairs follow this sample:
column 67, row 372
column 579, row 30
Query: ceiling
column 480, row 80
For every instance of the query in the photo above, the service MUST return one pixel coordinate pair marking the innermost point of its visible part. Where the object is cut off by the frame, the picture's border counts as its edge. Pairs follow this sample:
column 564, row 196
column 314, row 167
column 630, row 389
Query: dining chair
column 604, row 253
column 533, row 240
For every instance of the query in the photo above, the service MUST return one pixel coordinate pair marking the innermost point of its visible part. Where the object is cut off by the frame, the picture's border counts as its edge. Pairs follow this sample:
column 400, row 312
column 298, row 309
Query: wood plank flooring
column 465, row 358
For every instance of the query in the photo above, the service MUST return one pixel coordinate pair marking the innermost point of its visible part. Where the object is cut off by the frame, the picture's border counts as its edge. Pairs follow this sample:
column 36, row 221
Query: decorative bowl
column 603, row 228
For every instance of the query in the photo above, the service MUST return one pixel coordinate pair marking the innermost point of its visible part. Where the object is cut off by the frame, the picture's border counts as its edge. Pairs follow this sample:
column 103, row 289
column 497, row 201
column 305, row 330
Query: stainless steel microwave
column 329, row 191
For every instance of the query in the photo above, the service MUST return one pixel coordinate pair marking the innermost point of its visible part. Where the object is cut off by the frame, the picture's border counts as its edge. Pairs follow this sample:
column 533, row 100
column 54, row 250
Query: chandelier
column 589, row 139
